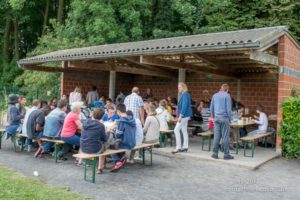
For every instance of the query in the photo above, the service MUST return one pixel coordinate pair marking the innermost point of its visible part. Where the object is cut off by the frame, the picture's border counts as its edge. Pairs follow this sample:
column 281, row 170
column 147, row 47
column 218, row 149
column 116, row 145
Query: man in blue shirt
column 220, row 108
column 110, row 115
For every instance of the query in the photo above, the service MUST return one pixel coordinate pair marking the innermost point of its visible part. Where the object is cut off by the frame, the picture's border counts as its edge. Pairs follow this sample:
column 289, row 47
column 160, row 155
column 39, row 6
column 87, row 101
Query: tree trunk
column 6, row 38
column 16, row 37
column 60, row 11
column 46, row 16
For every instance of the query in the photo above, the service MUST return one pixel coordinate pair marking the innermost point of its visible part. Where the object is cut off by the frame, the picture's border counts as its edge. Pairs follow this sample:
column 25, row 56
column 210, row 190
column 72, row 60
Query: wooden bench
column 91, row 159
column 57, row 143
column 163, row 137
column 251, row 140
column 207, row 135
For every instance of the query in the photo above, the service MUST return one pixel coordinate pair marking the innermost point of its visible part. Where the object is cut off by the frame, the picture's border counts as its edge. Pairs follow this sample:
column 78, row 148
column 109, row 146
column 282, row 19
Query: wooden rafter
column 153, row 61
column 264, row 57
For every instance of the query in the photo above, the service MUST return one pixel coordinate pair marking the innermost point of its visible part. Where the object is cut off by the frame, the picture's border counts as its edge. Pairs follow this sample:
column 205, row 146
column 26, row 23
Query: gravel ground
column 168, row 178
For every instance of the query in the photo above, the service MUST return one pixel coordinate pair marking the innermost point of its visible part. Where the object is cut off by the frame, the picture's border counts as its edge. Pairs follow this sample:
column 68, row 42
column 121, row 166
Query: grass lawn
column 15, row 186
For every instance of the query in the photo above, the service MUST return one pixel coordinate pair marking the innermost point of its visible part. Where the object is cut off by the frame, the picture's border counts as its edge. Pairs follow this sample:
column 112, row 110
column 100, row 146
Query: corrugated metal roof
column 253, row 38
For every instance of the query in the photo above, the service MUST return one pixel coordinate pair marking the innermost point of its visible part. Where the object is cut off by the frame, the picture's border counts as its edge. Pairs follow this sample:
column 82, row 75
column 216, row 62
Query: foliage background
column 290, row 128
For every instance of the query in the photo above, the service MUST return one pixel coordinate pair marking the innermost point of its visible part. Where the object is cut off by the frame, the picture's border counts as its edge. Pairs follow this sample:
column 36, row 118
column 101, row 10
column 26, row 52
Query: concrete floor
column 261, row 155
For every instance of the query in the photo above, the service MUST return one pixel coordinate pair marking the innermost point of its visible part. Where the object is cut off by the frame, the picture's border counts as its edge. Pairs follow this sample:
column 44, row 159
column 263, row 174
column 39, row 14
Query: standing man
column 149, row 94
column 134, row 103
column 221, row 112
column 92, row 96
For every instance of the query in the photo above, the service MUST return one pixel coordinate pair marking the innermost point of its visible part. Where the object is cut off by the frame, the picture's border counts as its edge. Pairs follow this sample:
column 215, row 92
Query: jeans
column 12, row 129
column 116, row 157
column 73, row 140
column 221, row 129
column 243, row 132
column 182, row 126
column 47, row 146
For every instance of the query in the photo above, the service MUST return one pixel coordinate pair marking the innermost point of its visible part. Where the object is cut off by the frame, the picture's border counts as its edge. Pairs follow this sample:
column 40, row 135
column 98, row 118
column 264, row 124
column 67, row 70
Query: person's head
column 98, row 114
column 76, row 107
column 22, row 100
column 43, row 103
column 36, row 103
column 64, row 97
column 182, row 87
column 240, row 106
column 63, row 105
column 119, row 100
column 109, row 101
column 149, row 91
column 121, row 109
column 174, row 101
column 46, row 109
column 13, row 99
column 225, row 87
column 163, row 103
column 201, row 104
column 77, row 89
column 53, row 101
column 94, row 88
column 135, row 90
column 169, row 99
column 129, row 113
column 111, row 111
column 259, row 108
column 151, row 109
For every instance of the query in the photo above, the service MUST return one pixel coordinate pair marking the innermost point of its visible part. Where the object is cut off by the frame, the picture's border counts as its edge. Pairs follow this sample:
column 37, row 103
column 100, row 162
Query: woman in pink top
column 71, row 124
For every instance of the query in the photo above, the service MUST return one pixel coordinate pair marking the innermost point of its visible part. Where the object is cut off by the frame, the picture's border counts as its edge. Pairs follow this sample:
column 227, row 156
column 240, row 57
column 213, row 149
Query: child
column 125, row 133
column 262, row 121
column 93, row 137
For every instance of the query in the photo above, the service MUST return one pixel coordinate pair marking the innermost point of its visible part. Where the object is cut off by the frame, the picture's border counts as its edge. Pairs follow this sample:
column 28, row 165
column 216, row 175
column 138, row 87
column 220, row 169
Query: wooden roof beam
column 150, row 60
column 264, row 57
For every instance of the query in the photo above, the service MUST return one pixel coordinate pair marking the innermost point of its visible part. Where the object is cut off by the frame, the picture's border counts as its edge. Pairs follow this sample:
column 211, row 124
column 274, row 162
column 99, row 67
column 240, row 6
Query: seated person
column 262, row 121
column 241, row 113
column 35, row 125
column 109, row 103
column 13, row 116
column 163, row 116
column 205, row 114
column 139, row 135
column 152, row 127
column 125, row 134
column 54, row 123
column 110, row 115
column 93, row 137
column 70, row 126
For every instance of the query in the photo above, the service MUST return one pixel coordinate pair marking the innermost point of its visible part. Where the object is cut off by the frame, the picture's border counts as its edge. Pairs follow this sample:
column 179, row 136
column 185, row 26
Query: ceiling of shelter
column 229, row 53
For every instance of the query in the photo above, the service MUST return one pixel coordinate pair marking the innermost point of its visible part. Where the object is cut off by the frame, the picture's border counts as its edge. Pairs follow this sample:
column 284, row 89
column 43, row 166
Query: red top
column 70, row 127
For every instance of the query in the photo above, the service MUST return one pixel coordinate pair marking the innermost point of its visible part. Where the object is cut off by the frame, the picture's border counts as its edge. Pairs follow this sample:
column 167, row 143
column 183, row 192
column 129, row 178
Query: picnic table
column 237, row 125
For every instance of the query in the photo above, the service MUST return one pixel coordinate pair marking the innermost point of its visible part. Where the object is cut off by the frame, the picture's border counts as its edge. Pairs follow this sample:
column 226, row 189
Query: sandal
column 99, row 171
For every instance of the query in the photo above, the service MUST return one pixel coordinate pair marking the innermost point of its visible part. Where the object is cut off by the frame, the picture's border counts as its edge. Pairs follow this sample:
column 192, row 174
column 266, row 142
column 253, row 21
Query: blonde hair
column 77, row 89
column 225, row 87
column 135, row 90
column 151, row 109
column 183, row 85
column 163, row 103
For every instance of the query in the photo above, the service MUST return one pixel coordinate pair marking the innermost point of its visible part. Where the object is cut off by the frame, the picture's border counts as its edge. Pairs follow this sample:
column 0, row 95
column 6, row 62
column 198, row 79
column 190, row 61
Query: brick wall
column 289, row 60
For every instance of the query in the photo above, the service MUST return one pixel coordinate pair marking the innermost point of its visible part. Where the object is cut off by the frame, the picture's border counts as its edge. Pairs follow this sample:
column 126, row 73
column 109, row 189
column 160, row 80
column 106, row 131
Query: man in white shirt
column 262, row 121
column 134, row 103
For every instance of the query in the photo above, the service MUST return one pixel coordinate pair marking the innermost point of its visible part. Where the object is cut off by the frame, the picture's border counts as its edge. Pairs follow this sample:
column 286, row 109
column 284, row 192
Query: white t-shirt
column 262, row 122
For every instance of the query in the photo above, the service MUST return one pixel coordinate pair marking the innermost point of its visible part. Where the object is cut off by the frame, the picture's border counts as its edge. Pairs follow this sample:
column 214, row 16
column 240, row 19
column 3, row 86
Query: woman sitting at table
column 151, row 128
column 262, row 121
column 163, row 116
column 241, row 113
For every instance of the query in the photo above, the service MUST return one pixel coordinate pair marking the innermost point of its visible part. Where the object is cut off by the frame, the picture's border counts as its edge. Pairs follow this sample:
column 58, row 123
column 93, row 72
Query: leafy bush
column 290, row 128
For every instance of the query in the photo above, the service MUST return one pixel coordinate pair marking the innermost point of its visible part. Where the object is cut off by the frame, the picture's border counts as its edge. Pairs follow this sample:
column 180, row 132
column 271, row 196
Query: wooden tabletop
column 242, row 124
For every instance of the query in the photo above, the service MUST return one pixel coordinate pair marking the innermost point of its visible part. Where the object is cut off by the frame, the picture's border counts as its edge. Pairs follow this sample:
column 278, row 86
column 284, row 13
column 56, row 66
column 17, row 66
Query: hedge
column 290, row 128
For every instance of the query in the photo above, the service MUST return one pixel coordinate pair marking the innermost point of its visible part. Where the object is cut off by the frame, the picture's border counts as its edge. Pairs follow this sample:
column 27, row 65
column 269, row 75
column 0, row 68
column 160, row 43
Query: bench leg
column 252, row 149
column 171, row 138
column 161, row 136
column 1, row 135
column 150, row 151
column 55, row 152
column 93, row 163
column 143, row 155
column 204, row 138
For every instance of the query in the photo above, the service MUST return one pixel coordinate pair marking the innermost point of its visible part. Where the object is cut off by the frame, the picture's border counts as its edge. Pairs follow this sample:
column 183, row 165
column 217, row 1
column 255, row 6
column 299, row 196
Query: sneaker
column 215, row 156
column 38, row 152
column 228, row 157
column 116, row 167
column 137, row 158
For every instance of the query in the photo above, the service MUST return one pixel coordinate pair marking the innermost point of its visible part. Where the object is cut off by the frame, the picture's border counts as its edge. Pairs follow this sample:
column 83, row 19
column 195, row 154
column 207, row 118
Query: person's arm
column 40, row 121
column 212, row 108
column 147, row 125
column 260, row 121
column 103, row 135
column 169, row 116
column 142, row 115
column 228, row 106
column 15, row 115
column 79, row 124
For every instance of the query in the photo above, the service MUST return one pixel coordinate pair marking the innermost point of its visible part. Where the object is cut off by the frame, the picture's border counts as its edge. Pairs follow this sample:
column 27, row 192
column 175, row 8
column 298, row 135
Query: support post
column 181, row 77
column 238, row 96
column 112, row 84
